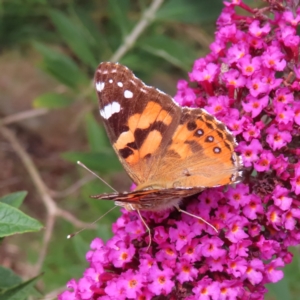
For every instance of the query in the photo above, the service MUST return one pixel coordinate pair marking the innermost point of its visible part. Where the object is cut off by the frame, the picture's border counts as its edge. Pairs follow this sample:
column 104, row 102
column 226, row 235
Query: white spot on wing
column 128, row 94
column 100, row 86
column 110, row 81
column 120, row 84
column 110, row 109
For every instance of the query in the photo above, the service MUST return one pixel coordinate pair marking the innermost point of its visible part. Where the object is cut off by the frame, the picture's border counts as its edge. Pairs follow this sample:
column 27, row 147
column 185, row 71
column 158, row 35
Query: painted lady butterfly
column 169, row 151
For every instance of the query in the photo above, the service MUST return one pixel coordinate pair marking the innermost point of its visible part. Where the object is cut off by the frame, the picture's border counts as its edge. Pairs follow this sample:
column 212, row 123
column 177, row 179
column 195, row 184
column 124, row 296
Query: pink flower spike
column 249, row 65
column 161, row 281
column 256, row 87
column 290, row 218
column 277, row 138
column 181, row 235
column 280, row 198
column 258, row 31
column 236, row 229
column 255, row 105
column 131, row 284
column 238, row 196
column 292, row 19
column 237, row 267
column 211, row 247
column 272, row 273
column 206, row 289
column 250, row 153
column 253, row 208
column 295, row 181
column 186, row 271
column 264, row 162
column 273, row 59
column 254, row 271
column 208, row 73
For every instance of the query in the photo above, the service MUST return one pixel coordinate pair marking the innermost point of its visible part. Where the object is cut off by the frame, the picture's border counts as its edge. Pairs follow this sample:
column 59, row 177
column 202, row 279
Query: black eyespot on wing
column 209, row 139
column 217, row 150
column 198, row 133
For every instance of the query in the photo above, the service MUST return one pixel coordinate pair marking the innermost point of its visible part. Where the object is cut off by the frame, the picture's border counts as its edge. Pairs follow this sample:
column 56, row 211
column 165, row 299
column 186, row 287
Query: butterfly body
column 169, row 151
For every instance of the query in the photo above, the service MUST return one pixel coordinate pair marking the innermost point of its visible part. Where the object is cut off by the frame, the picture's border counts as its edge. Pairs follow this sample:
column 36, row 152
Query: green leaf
column 14, row 199
column 189, row 11
column 171, row 50
column 96, row 40
column 118, row 13
column 21, row 291
column 14, row 221
column 60, row 66
column 96, row 134
column 101, row 161
column 52, row 100
column 74, row 37
column 8, row 278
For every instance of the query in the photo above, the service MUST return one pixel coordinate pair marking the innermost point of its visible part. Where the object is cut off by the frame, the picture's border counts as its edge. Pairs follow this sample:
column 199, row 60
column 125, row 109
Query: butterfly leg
column 197, row 217
column 148, row 229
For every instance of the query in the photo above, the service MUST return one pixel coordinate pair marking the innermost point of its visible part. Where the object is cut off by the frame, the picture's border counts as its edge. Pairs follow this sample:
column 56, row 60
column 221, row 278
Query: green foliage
column 14, row 199
column 14, row 221
column 74, row 35
column 97, row 138
column 8, row 279
column 20, row 291
column 52, row 100
column 60, row 66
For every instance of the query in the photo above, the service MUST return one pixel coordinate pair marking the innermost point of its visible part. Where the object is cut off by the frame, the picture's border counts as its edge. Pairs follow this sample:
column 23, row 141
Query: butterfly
column 170, row 152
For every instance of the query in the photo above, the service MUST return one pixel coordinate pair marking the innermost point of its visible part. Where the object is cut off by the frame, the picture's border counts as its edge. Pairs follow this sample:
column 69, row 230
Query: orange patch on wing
column 165, row 117
column 184, row 151
column 152, row 112
column 133, row 121
column 124, row 139
column 151, row 143
column 178, row 145
column 133, row 158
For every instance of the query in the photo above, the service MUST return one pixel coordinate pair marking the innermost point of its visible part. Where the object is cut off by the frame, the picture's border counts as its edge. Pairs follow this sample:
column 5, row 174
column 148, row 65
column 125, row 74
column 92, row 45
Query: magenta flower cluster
column 251, row 81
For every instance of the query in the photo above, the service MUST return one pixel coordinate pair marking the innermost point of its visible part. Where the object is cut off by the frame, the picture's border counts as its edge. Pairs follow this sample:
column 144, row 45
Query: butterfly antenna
column 73, row 234
column 148, row 229
column 85, row 167
column 197, row 217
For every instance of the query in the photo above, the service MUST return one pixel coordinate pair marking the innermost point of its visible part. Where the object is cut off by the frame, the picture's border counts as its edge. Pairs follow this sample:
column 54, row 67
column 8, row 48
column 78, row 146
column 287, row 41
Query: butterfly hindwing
column 201, row 153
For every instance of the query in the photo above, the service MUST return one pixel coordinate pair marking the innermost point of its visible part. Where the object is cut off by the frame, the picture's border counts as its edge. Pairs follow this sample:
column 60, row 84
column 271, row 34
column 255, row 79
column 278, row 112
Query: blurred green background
column 49, row 53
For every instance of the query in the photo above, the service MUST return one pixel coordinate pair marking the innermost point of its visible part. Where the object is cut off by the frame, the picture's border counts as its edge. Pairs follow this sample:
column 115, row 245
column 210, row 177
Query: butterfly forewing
column 139, row 119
